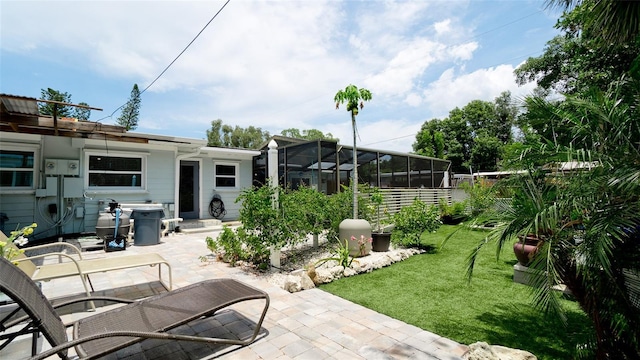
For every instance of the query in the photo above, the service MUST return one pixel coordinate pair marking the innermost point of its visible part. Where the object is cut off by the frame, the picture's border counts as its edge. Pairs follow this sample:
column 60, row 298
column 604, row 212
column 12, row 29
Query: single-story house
column 62, row 174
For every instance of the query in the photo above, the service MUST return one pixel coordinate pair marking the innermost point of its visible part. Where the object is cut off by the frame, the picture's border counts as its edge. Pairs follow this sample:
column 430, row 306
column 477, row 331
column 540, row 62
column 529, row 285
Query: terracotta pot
column 525, row 249
column 381, row 241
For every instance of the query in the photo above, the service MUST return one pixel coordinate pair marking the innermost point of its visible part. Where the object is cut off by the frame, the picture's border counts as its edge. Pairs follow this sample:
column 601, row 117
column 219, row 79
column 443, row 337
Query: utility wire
column 177, row 57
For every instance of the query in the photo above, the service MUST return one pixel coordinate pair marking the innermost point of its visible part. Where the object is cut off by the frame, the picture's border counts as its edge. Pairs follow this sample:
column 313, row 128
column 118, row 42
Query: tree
column 506, row 112
column 579, row 59
column 81, row 113
column 610, row 21
column 55, row 95
column 454, row 137
column 486, row 152
column 354, row 97
column 131, row 111
column 430, row 140
column 311, row 134
column 223, row 135
column 588, row 219
column 214, row 135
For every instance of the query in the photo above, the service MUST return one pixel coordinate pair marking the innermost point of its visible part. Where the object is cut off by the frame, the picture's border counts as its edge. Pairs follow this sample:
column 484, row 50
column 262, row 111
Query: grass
column 430, row 291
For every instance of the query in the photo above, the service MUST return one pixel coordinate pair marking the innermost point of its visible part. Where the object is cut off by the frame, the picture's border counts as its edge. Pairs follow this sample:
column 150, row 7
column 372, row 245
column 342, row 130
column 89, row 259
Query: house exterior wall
column 227, row 194
column 79, row 203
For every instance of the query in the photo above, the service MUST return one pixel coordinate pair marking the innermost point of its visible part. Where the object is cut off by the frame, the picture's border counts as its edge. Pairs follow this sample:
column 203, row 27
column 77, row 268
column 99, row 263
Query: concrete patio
column 311, row 324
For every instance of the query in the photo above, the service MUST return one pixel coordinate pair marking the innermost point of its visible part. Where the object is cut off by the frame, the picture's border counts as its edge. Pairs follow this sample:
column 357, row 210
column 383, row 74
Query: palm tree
column 354, row 97
column 588, row 220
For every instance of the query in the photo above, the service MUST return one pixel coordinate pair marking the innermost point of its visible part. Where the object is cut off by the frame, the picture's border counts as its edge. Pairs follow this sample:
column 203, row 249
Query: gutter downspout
column 176, row 190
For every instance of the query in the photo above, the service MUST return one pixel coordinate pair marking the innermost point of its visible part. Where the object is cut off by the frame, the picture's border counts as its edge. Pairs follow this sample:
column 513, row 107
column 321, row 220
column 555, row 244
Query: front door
column 189, row 190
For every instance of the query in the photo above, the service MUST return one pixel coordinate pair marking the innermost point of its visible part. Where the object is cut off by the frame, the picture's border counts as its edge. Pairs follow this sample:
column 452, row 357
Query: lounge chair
column 75, row 265
column 114, row 329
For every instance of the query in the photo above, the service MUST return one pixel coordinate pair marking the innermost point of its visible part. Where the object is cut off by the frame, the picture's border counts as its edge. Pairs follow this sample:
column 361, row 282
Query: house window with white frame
column 226, row 175
column 17, row 169
column 115, row 171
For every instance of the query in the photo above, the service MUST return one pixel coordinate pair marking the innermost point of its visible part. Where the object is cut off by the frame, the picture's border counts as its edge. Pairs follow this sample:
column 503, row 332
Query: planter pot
column 356, row 228
column 525, row 249
column 381, row 241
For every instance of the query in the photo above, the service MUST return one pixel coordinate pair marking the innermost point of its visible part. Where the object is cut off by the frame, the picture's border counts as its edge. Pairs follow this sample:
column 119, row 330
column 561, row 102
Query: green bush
column 411, row 221
column 230, row 244
column 481, row 197
column 340, row 207
column 304, row 210
column 260, row 219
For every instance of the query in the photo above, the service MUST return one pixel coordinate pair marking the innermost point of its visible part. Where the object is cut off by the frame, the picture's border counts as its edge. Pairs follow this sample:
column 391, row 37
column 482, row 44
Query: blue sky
column 273, row 64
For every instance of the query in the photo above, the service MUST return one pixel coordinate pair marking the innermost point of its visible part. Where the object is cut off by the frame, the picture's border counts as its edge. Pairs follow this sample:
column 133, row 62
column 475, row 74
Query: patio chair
column 114, row 329
column 75, row 265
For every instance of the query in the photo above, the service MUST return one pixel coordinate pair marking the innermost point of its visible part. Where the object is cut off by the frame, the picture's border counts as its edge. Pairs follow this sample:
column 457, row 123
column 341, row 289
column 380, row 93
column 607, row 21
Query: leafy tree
column 455, row 137
column 486, row 152
column 82, row 114
column 430, row 139
column 224, row 135
column 55, row 95
column 354, row 97
column 506, row 113
column 579, row 58
column 610, row 21
column 131, row 111
column 214, row 135
column 292, row 132
column 311, row 134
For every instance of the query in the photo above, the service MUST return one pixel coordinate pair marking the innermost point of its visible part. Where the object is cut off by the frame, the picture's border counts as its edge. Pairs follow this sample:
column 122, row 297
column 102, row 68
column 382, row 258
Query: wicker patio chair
column 117, row 328
column 71, row 263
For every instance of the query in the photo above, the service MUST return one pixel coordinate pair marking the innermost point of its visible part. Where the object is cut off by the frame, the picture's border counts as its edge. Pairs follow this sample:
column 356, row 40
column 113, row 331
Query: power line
column 177, row 57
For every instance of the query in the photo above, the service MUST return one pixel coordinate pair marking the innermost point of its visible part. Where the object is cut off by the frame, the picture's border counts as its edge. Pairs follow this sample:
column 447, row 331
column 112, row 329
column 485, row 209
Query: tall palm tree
column 354, row 97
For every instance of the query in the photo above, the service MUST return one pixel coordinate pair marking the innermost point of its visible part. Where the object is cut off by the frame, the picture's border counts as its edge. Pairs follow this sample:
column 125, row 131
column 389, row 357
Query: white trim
column 236, row 176
column 116, row 189
column 33, row 148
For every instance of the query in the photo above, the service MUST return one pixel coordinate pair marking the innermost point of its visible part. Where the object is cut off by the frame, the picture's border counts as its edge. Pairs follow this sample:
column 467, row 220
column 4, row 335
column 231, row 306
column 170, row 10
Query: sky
column 273, row 64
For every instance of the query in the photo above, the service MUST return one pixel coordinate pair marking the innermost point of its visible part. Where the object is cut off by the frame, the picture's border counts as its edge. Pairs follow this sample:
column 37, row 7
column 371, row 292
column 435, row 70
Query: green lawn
column 431, row 292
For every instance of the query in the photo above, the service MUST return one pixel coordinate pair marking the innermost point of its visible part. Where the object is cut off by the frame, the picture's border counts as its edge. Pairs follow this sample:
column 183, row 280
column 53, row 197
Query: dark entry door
column 189, row 189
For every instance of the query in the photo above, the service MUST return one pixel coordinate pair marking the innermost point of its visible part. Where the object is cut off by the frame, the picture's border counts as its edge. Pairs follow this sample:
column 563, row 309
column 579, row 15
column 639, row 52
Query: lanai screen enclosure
column 324, row 164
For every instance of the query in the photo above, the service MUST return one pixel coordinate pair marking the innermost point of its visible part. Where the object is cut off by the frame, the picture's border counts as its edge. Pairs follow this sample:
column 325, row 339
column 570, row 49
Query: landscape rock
column 483, row 351
column 305, row 281
column 292, row 284
column 309, row 271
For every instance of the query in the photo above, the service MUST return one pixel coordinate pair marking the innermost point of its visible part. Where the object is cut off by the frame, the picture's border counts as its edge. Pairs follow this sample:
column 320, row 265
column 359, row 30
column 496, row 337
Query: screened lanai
column 324, row 165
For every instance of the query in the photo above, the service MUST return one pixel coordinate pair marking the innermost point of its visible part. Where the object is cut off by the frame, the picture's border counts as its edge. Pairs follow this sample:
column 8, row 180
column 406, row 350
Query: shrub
column 230, row 244
column 340, row 207
column 481, row 197
column 411, row 221
column 305, row 210
column 261, row 219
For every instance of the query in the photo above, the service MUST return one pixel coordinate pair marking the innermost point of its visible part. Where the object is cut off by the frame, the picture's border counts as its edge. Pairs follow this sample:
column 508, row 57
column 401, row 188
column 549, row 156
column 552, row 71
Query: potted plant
column 454, row 213
column 381, row 238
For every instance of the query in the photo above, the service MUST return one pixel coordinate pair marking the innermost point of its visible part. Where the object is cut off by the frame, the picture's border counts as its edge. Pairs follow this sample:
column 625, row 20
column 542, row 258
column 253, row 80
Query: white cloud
column 270, row 64
column 442, row 27
column 452, row 90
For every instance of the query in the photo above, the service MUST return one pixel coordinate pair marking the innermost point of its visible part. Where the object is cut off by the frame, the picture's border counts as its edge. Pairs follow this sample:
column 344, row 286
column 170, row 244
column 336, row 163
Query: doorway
column 189, row 197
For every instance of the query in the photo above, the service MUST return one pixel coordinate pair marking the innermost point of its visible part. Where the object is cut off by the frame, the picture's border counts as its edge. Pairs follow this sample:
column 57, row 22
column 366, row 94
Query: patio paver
column 311, row 324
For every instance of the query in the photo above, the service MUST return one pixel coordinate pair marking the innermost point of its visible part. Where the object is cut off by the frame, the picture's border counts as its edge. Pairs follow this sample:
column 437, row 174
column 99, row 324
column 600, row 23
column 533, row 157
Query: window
column 226, row 175
column 17, row 168
column 122, row 171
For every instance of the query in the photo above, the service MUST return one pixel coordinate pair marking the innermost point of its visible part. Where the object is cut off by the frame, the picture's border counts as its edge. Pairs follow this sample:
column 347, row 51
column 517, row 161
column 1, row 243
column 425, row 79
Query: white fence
column 396, row 199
